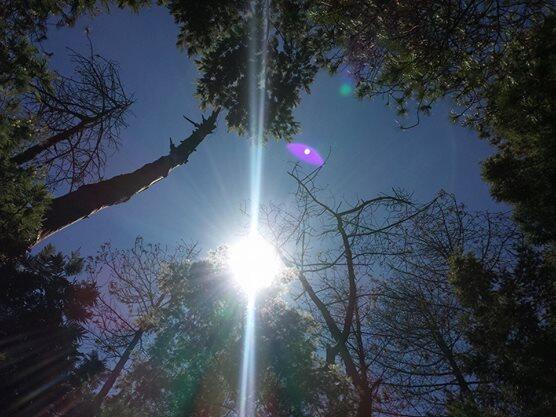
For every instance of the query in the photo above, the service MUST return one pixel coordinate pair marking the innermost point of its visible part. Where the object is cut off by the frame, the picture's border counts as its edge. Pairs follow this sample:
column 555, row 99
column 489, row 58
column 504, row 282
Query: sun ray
column 257, row 115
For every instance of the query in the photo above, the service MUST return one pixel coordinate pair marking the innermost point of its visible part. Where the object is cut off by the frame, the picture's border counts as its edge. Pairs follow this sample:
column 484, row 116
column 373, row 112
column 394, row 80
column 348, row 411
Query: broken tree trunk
column 90, row 198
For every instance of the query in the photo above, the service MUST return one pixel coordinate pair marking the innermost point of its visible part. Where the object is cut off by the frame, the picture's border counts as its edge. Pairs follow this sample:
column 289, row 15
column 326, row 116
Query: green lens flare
column 345, row 90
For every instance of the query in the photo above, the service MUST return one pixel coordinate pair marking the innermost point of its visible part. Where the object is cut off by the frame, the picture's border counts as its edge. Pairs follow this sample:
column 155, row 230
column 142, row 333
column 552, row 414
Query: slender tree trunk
column 90, row 198
column 336, row 333
column 109, row 383
column 365, row 405
column 365, row 391
column 465, row 391
column 30, row 153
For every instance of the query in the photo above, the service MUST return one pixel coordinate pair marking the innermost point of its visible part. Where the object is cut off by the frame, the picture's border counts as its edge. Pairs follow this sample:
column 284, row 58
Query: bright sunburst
column 254, row 263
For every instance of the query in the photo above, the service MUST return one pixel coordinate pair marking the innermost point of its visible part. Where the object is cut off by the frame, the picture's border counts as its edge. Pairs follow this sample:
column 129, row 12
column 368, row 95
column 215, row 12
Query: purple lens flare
column 305, row 153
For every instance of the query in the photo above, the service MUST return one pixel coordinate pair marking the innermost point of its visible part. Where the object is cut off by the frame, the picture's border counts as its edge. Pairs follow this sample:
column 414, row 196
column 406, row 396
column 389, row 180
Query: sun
column 254, row 263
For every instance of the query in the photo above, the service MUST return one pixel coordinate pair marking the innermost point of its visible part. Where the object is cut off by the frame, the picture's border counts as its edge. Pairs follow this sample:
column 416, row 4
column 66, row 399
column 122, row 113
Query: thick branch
column 31, row 152
column 352, row 297
column 351, row 369
column 90, row 198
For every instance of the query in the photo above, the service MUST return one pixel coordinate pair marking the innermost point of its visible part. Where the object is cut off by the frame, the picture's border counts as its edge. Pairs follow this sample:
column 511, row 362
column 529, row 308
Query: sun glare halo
column 254, row 263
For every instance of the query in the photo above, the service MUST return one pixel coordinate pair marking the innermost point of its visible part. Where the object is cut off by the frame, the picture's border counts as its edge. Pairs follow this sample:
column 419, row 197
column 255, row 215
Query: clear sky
column 202, row 201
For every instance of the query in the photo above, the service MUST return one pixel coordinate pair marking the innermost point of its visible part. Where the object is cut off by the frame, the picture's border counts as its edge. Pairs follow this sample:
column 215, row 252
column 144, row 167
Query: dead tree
column 77, row 121
column 333, row 251
column 133, row 303
column 374, row 274
column 418, row 318
column 91, row 198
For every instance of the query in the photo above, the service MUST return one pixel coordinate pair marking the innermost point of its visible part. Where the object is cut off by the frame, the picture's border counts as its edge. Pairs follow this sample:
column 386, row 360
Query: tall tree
column 333, row 251
column 43, row 310
column 511, row 326
column 134, row 303
column 193, row 365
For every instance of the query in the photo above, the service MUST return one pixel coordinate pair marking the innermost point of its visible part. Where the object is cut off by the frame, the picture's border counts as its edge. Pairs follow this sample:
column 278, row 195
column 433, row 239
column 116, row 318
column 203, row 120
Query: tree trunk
column 30, row 153
column 90, row 198
column 365, row 406
column 109, row 383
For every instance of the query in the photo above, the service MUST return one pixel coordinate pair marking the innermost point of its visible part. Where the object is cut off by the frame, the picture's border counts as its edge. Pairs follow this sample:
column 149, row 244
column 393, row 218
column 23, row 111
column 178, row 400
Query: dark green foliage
column 42, row 311
column 193, row 366
column 521, row 117
column 225, row 37
column 23, row 199
column 511, row 327
column 22, row 24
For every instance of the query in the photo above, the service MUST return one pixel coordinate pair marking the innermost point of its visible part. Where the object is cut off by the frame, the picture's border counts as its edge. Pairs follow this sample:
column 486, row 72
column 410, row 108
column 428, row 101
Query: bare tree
column 334, row 251
column 418, row 320
column 375, row 275
column 77, row 121
column 138, row 292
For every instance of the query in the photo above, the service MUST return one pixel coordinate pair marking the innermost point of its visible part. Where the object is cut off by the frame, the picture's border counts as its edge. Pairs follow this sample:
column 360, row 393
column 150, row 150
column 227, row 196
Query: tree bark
column 365, row 406
column 88, row 199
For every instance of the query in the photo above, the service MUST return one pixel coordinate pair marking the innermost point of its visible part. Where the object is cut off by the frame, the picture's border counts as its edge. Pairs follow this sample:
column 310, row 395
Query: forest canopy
column 386, row 303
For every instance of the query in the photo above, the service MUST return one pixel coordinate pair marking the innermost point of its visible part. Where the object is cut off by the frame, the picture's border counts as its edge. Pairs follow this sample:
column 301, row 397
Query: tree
column 23, row 199
column 135, row 302
column 42, row 314
column 511, row 326
column 523, row 126
column 418, row 317
column 334, row 252
column 192, row 366
column 481, row 55
column 76, row 120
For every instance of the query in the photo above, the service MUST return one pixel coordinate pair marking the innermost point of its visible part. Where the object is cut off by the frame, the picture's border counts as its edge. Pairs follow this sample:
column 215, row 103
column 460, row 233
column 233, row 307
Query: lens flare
column 305, row 153
column 346, row 90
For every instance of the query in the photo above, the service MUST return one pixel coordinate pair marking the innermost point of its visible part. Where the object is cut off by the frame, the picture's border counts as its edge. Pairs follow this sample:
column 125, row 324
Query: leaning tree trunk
column 30, row 153
column 90, row 198
column 113, row 376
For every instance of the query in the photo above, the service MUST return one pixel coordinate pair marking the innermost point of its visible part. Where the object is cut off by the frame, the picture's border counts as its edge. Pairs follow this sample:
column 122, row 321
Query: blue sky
column 202, row 201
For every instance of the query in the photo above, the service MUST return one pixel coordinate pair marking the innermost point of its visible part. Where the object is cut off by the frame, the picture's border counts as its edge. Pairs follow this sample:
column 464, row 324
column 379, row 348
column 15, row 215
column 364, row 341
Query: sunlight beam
column 257, row 108
column 252, row 259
